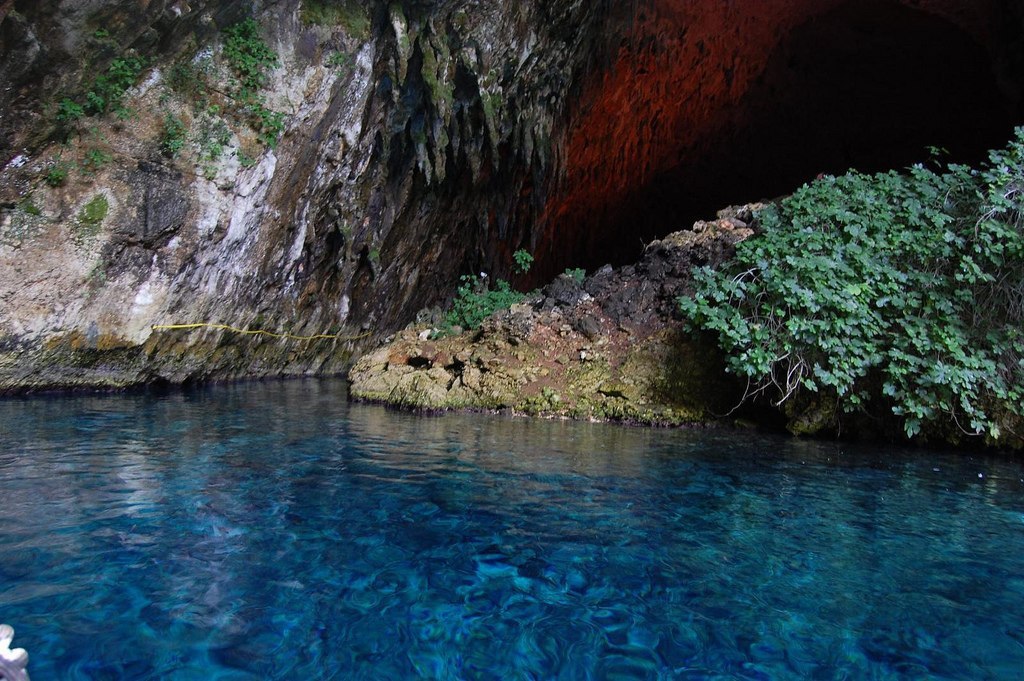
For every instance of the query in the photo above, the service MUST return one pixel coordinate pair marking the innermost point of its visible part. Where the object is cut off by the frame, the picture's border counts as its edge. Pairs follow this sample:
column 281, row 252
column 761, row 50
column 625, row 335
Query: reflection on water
column 275, row 531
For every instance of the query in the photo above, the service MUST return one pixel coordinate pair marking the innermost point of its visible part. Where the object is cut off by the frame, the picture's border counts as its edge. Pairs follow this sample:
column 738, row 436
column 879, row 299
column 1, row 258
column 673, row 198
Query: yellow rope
column 259, row 332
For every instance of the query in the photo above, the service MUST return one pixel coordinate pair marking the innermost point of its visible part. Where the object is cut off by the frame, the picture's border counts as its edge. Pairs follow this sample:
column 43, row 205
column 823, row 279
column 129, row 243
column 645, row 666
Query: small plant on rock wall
column 172, row 140
column 217, row 110
column 475, row 301
column 523, row 260
column 190, row 78
column 269, row 124
column 26, row 205
column 213, row 137
column 95, row 159
column 69, row 112
column 251, row 60
column 339, row 60
column 106, row 94
column 577, row 274
column 57, row 174
column 108, row 90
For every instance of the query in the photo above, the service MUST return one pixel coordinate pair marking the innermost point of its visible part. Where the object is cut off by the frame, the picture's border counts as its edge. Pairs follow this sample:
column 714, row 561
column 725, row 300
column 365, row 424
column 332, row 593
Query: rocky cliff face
column 389, row 148
column 408, row 132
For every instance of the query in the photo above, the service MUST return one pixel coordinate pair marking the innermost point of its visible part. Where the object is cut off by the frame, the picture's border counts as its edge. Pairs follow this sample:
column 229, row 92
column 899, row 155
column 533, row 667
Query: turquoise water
column 273, row 531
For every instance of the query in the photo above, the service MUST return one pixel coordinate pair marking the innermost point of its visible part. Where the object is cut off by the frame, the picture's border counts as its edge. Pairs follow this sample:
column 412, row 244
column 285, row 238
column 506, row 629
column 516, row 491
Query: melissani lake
column 275, row 531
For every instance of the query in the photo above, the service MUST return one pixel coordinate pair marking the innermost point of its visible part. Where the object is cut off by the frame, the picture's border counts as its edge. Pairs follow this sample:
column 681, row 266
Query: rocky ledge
column 611, row 346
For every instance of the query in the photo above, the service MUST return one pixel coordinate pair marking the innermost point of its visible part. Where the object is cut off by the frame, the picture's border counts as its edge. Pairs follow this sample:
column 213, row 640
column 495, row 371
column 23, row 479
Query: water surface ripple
column 273, row 531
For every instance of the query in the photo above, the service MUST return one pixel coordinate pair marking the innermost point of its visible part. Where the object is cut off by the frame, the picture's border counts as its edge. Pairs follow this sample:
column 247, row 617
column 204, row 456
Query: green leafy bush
column 268, row 123
column 523, row 260
column 251, row 60
column 56, row 175
column 69, row 112
column 94, row 160
column 213, row 136
column 577, row 274
column 475, row 301
column 340, row 60
column 905, row 289
column 249, row 56
column 174, row 134
column 107, row 93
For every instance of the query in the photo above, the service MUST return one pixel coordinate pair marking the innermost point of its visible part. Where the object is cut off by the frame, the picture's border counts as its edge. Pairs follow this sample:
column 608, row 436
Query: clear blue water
column 273, row 531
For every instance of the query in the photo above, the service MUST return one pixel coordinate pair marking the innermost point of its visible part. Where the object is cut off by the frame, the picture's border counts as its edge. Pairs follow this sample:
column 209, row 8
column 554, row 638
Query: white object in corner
column 12, row 662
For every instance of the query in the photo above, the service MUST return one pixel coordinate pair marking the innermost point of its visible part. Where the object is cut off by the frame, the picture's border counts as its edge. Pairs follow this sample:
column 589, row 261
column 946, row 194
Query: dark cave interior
column 870, row 85
column 869, row 88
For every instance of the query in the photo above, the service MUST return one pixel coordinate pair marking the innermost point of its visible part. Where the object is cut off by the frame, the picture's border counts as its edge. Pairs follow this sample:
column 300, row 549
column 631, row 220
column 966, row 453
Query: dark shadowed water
column 273, row 531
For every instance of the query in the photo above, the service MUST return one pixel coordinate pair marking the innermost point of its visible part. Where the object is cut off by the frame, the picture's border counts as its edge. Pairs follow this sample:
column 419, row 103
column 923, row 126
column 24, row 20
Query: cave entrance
column 868, row 85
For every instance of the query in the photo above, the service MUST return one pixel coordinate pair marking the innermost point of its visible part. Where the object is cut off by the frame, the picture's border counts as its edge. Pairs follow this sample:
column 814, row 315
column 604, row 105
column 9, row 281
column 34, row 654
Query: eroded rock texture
column 403, row 161
column 421, row 141
column 609, row 346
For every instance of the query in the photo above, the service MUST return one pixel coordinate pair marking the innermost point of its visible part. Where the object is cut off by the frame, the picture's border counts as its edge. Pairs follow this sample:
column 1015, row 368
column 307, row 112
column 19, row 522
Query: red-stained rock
column 690, row 76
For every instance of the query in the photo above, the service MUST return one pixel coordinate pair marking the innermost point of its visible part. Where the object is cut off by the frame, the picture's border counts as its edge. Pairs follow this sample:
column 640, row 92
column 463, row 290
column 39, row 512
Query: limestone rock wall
column 409, row 133
column 132, row 237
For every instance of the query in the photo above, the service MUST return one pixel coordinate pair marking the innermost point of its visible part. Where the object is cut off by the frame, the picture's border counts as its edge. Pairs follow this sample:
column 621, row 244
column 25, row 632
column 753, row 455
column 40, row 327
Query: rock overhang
column 705, row 104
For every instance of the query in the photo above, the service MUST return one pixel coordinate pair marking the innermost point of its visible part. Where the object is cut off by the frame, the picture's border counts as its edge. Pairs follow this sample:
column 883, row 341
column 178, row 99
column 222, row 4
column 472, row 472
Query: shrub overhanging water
column 904, row 290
